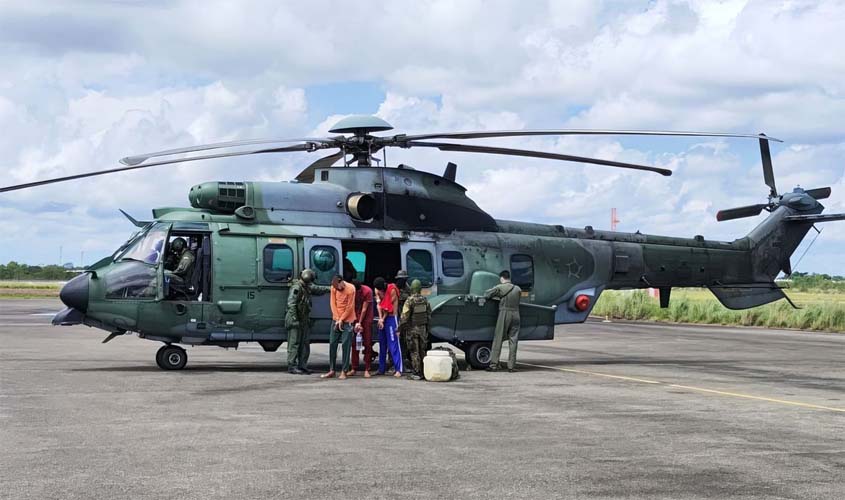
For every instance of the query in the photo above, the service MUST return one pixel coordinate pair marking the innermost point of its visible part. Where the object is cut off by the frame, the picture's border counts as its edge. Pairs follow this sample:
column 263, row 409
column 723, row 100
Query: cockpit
column 151, row 265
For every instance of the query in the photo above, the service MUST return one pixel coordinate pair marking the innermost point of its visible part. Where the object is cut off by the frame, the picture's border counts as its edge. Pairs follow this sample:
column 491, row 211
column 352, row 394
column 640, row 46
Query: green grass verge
column 31, row 285
column 7, row 296
column 819, row 311
column 29, row 289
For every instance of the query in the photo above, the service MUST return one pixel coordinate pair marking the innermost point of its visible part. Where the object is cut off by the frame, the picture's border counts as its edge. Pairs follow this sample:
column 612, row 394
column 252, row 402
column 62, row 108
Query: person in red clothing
column 388, row 334
column 364, row 326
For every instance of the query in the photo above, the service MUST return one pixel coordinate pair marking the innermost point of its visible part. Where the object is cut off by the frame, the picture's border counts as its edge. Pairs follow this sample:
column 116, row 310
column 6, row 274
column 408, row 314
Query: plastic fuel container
column 437, row 366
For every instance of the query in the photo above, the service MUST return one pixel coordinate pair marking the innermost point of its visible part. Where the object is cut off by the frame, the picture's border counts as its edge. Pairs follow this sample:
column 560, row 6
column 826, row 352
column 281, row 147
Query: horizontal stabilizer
column 747, row 295
column 815, row 218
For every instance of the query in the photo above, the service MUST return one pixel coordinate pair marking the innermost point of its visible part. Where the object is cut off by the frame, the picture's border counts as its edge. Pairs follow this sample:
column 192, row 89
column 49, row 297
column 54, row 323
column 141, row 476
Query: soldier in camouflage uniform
column 298, row 321
column 415, row 324
column 507, row 324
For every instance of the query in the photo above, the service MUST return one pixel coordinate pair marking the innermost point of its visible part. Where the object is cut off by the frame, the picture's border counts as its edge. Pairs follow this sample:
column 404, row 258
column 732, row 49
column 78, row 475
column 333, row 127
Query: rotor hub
column 360, row 125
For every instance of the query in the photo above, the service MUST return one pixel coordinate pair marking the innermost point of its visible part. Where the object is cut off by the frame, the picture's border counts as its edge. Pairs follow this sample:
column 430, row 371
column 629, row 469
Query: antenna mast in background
column 613, row 219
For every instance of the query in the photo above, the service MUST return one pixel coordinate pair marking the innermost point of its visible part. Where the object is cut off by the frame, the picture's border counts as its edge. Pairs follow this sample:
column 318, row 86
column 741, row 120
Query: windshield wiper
column 133, row 259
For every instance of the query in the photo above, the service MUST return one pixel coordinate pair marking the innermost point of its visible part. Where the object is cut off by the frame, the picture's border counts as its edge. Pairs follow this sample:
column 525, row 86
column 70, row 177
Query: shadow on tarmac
column 322, row 368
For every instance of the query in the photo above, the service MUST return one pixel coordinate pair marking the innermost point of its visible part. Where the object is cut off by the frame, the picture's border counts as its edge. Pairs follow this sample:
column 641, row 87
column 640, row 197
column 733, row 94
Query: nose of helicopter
column 75, row 293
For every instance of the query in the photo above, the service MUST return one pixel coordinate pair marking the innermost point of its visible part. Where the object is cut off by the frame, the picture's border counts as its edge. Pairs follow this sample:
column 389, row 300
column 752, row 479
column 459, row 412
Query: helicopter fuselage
column 252, row 239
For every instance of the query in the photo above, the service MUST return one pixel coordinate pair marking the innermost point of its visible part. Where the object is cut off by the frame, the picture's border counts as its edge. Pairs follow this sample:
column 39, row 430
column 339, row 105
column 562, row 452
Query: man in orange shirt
column 343, row 317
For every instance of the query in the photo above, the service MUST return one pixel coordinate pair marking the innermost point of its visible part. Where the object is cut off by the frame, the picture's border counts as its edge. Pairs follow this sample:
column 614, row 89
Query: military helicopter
column 365, row 220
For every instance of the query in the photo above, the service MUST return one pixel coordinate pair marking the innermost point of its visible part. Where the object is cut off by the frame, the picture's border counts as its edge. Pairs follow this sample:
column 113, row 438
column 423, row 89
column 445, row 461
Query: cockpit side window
column 131, row 280
column 148, row 248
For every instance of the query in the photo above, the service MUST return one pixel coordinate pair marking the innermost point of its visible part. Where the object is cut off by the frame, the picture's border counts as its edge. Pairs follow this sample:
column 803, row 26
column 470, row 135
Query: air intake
column 218, row 196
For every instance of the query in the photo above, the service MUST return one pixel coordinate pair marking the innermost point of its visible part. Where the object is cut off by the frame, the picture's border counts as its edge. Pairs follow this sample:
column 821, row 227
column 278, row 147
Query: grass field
column 29, row 289
column 820, row 310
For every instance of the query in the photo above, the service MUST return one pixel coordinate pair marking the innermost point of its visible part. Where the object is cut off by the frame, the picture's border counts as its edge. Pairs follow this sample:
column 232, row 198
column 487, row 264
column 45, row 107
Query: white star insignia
column 574, row 269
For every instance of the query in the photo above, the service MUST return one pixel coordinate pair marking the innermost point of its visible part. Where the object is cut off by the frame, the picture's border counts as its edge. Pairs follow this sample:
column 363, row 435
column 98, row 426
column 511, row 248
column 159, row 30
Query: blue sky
column 86, row 83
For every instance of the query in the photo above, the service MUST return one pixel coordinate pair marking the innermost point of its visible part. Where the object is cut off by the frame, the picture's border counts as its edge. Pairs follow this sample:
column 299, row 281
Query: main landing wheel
column 478, row 355
column 171, row 357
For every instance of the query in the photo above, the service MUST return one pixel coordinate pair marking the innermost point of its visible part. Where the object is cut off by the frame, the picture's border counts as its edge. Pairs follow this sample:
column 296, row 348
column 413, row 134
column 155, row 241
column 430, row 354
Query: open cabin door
column 420, row 260
column 176, row 315
column 324, row 257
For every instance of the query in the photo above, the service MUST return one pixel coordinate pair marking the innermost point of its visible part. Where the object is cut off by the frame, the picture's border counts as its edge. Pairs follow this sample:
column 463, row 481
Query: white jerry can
column 437, row 366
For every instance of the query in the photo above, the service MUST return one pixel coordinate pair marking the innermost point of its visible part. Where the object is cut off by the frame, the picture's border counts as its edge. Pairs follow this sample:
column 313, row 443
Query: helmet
column 402, row 274
column 178, row 245
column 307, row 275
column 416, row 286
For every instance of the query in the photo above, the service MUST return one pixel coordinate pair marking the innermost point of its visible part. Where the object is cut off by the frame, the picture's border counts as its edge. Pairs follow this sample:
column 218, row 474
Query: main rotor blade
column 522, row 133
column 307, row 174
column 466, row 148
column 138, row 159
column 297, row 147
column 768, row 172
column 818, row 193
column 740, row 212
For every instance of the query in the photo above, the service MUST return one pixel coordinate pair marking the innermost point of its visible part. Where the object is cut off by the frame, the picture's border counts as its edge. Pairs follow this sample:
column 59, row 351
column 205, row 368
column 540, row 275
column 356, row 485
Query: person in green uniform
column 415, row 323
column 298, row 321
column 179, row 268
column 184, row 258
column 507, row 324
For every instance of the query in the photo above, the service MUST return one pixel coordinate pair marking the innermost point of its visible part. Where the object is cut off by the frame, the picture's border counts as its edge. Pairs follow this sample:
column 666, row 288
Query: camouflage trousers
column 299, row 345
column 417, row 339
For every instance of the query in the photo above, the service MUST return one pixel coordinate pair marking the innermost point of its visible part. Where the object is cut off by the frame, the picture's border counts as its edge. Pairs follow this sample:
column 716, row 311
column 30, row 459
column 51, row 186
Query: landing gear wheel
column 171, row 357
column 478, row 355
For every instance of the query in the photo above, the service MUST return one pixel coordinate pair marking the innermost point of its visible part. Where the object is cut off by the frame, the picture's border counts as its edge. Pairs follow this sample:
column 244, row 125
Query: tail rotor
column 793, row 199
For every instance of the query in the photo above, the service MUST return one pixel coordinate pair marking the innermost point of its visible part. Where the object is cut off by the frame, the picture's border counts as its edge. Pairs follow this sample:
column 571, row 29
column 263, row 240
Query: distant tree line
column 15, row 271
column 812, row 281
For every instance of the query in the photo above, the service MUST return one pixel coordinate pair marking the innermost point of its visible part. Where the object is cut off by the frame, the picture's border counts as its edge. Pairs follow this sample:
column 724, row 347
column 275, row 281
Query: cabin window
column 278, row 263
column 324, row 261
column 420, row 266
column 522, row 271
column 453, row 264
column 354, row 266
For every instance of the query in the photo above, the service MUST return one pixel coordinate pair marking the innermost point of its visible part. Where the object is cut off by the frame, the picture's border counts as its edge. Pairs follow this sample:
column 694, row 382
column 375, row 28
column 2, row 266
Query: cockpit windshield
column 147, row 247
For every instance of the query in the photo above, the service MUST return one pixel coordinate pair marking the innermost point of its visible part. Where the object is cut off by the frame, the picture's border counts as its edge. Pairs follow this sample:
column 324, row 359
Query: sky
column 85, row 83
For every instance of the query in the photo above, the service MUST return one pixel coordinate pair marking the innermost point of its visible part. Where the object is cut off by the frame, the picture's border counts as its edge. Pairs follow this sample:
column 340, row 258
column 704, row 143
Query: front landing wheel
column 171, row 357
column 478, row 355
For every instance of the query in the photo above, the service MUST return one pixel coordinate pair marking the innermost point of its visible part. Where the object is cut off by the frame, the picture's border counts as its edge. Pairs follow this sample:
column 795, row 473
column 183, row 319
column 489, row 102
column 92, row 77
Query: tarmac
column 606, row 410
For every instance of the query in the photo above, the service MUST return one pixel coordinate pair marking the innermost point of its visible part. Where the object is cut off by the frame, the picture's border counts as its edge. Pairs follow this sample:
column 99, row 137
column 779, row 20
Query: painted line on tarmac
column 596, row 374
column 689, row 388
column 758, row 398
